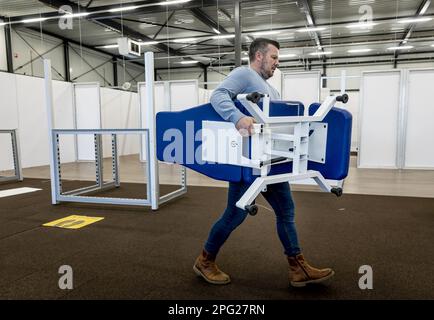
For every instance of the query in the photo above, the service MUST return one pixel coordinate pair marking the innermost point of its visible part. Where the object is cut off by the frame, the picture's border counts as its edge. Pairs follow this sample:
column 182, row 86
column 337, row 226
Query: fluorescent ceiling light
column 432, row 45
column 2, row 24
column 123, row 8
column 109, row 46
column 287, row 55
column 311, row 29
column 76, row 15
column 216, row 31
column 320, row 53
column 34, row 20
column 400, row 48
column 415, row 20
column 148, row 43
column 224, row 36
column 185, row 40
column 359, row 50
column 167, row 3
column 425, row 7
column 361, row 25
column 189, row 62
column 266, row 33
column 245, row 58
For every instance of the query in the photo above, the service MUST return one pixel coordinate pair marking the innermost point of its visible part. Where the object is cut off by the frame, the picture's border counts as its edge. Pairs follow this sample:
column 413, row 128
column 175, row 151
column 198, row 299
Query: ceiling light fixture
column 216, row 31
column 189, row 62
column 288, row 55
column 224, row 36
column 400, row 48
column 415, row 20
column 75, row 15
column 265, row 33
column 425, row 7
column 359, row 50
column 33, row 20
column 123, row 8
column 361, row 25
column 168, row 3
column 108, row 46
column 311, row 29
column 320, row 53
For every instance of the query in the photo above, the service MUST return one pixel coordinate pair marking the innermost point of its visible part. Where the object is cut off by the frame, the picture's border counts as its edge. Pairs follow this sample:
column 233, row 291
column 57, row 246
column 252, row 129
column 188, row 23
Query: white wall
column 22, row 53
column 8, row 118
column 3, row 60
column 120, row 109
column 23, row 107
column 83, row 60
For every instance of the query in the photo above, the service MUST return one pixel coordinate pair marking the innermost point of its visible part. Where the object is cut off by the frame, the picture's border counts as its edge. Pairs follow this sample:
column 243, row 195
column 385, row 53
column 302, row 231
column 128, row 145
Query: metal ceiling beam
column 84, row 45
column 112, row 24
column 305, row 8
column 167, row 26
column 207, row 20
column 423, row 6
column 131, row 33
column 413, row 25
column 102, row 11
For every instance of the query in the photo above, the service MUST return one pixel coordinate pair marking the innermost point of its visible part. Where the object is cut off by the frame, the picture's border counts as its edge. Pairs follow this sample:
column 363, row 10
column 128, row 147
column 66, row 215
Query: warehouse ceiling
column 309, row 31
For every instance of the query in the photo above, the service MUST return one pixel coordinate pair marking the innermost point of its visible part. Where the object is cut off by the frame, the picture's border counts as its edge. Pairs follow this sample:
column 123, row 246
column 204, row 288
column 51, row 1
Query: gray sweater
column 240, row 80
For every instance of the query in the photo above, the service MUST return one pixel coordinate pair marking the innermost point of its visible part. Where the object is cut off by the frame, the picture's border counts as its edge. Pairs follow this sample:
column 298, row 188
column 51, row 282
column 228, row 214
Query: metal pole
column 50, row 122
column 152, row 160
column 115, row 72
column 237, row 34
column 205, row 77
column 8, row 43
column 67, row 64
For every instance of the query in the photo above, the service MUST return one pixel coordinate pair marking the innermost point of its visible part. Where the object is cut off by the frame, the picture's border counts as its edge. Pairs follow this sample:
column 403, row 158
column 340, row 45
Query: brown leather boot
column 206, row 268
column 301, row 273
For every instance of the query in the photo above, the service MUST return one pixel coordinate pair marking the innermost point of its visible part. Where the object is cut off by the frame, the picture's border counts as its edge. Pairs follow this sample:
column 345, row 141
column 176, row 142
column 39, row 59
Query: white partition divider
column 381, row 105
column 184, row 94
column 8, row 117
column 173, row 95
column 419, row 129
column 64, row 118
column 87, row 102
column 32, row 121
column 301, row 86
column 276, row 81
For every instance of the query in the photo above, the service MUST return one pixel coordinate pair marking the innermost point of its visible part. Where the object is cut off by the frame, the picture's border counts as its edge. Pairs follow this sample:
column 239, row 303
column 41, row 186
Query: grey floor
column 391, row 182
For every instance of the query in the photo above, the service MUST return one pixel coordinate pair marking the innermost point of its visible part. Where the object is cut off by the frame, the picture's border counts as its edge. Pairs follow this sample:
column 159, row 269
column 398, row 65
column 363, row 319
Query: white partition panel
column 88, row 116
column 380, row 101
column 276, row 81
column 353, row 107
column 130, row 118
column 64, row 118
column 161, row 100
column 33, row 128
column 8, row 117
column 419, row 139
column 301, row 86
column 184, row 94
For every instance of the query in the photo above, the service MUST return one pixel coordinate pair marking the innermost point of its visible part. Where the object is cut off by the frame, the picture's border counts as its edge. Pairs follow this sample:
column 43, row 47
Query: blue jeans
column 278, row 196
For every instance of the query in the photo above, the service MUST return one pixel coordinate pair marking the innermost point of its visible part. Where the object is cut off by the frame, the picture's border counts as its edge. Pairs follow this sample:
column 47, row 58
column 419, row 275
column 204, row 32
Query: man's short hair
column 261, row 44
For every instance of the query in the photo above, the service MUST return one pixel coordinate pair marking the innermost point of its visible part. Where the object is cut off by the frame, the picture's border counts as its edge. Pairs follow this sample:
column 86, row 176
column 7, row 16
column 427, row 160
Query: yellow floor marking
column 73, row 222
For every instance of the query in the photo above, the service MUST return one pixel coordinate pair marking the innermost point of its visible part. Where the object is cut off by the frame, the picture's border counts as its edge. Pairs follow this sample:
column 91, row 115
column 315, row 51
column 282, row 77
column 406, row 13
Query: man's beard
column 264, row 73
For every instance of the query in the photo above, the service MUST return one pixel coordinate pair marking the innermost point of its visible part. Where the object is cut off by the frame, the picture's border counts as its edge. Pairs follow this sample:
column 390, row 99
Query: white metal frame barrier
column 18, row 175
column 153, row 199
